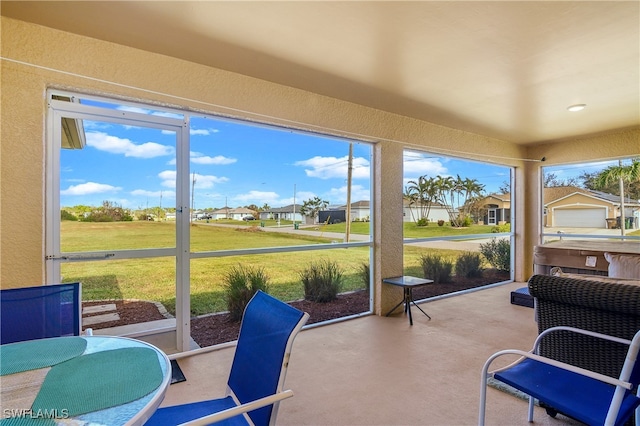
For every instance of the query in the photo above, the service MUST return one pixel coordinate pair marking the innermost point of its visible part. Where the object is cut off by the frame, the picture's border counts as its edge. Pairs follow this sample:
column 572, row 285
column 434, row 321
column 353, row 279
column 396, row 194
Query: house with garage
column 290, row 212
column 568, row 206
column 574, row 207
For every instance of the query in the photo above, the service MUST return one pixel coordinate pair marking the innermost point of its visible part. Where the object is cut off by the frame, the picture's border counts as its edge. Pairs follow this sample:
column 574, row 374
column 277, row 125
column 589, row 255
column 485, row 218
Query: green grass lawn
column 154, row 278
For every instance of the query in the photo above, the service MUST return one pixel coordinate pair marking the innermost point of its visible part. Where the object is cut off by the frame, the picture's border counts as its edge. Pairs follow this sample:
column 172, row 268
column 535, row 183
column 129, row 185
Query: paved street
column 467, row 245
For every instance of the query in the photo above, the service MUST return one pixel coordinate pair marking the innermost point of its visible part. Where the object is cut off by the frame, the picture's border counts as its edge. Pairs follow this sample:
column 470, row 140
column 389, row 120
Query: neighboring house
column 567, row 206
column 574, row 207
column 241, row 212
column 223, row 213
column 290, row 212
column 496, row 209
column 229, row 213
column 411, row 213
column 360, row 211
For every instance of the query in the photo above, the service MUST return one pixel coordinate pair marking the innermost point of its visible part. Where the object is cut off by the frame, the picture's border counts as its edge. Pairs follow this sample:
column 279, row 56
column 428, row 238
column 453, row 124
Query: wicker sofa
column 599, row 304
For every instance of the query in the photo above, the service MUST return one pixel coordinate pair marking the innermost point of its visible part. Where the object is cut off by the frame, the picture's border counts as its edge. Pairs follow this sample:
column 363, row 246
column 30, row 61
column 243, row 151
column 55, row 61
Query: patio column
column 387, row 226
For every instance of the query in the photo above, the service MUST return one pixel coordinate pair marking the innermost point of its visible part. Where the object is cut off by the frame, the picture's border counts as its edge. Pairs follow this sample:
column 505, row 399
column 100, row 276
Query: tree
column 423, row 194
column 446, row 194
column 551, row 180
column 312, row 206
column 623, row 174
column 473, row 190
column 109, row 212
column 590, row 181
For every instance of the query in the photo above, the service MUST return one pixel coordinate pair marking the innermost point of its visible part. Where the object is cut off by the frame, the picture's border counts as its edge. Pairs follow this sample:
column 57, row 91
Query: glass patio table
column 408, row 283
column 84, row 380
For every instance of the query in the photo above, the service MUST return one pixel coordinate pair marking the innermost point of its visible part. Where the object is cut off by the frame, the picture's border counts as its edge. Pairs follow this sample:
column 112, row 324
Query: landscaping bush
column 65, row 215
column 469, row 265
column 505, row 227
column 423, row 221
column 440, row 222
column 242, row 283
column 498, row 253
column 436, row 267
column 466, row 221
column 365, row 274
column 322, row 281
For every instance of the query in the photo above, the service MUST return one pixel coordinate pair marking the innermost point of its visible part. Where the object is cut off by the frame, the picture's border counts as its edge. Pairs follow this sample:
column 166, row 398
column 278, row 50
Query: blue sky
column 233, row 164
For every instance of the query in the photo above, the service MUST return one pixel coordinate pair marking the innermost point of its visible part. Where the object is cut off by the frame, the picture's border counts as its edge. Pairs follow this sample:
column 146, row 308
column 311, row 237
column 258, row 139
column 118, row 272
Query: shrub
column 322, row 281
column 469, row 265
column 242, row 283
column 436, row 268
column 441, row 222
column 65, row 215
column 466, row 221
column 505, row 227
column 423, row 221
column 498, row 253
column 365, row 274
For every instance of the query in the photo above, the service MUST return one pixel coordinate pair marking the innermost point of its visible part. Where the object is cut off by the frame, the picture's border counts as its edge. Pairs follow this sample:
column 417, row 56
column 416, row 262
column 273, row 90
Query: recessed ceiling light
column 576, row 107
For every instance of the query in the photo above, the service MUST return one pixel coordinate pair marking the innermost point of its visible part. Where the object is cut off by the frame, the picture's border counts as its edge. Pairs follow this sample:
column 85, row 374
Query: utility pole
column 622, row 218
column 347, row 232
column 193, row 201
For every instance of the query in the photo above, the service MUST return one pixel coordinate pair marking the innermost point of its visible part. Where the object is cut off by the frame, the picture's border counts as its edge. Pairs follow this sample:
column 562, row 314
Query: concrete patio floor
column 382, row 371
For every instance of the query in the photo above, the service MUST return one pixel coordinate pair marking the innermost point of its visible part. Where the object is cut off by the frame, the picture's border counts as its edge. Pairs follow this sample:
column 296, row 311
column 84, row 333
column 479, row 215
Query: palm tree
column 621, row 173
column 412, row 197
column 423, row 193
column 446, row 192
column 472, row 191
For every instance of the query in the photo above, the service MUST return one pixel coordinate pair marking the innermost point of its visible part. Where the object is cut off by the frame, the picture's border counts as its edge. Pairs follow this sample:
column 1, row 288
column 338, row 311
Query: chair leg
column 530, row 415
column 483, row 400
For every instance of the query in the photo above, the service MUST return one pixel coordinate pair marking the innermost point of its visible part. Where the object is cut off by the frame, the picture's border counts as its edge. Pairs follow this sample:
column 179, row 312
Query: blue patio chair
column 256, row 380
column 589, row 397
column 39, row 312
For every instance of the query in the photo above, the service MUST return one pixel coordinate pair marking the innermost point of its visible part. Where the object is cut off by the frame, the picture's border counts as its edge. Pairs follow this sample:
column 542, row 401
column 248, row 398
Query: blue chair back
column 262, row 353
column 39, row 312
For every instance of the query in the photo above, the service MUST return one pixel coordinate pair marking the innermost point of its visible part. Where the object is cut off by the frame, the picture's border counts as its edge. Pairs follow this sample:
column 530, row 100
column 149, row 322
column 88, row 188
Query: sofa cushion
column 623, row 265
column 557, row 272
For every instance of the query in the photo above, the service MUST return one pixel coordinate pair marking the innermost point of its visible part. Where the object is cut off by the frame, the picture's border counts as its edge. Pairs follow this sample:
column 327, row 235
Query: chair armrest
column 240, row 409
column 584, row 372
column 579, row 331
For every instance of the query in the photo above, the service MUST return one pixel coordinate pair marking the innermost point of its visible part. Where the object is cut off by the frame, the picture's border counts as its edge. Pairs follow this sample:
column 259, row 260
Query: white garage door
column 580, row 218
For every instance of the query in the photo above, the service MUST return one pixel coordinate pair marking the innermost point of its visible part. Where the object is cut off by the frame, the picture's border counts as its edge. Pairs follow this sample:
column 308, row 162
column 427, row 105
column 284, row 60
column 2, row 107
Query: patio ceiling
column 507, row 70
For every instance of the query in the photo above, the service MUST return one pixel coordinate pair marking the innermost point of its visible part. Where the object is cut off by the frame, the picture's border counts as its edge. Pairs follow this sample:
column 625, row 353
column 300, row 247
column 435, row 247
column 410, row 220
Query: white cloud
column 156, row 194
column 199, row 158
column 339, row 195
column 202, row 181
column 333, row 167
column 116, row 145
column 89, row 188
column 420, row 165
column 257, row 197
column 202, row 132
column 168, row 178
